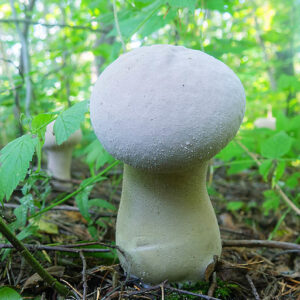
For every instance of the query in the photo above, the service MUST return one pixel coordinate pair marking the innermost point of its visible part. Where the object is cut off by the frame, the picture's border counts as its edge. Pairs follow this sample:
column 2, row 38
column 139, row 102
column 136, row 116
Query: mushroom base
column 166, row 225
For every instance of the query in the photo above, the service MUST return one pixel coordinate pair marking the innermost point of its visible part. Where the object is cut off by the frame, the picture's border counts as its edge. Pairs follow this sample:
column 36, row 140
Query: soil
column 240, row 272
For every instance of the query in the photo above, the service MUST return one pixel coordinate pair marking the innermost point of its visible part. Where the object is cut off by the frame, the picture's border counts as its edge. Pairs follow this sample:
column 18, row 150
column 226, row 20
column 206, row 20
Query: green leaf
column 293, row 181
column 276, row 146
column 101, row 203
column 271, row 202
column 14, row 160
column 69, row 121
column 96, row 155
column 215, row 5
column 9, row 294
column 130, row 24
column 39, row 123
column 190, row 4
column 237, row 166
column 236, row 205
column 264, row 168
column 279, row 171
column 21, row 211
column 82, row 200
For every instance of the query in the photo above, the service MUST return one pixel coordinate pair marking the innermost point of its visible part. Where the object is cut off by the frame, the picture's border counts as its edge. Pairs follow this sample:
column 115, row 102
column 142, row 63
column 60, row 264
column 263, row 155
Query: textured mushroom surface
column 164, row 111
column 166, row 107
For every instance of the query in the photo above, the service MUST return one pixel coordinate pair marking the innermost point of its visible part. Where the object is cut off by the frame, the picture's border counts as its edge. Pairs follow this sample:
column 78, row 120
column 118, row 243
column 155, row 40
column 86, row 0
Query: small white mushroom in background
column 165, row 111
column 269, row 122
column 59, row 157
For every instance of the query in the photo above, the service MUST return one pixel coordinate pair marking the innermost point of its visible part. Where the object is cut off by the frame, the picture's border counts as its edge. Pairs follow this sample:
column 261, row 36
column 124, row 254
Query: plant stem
column 60, row 288
column 278, row 189
column 88, row 183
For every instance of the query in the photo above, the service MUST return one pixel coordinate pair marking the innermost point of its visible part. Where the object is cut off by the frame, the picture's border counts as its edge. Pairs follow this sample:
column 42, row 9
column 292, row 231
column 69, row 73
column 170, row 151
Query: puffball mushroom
column 269, row 122
column 165, row 111
column 59, row 157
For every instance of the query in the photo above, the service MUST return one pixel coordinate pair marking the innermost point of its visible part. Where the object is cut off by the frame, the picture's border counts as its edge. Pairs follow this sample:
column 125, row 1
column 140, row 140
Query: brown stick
column 259, row 243
column 213, row 285
column 55, row 248
column 253, row 288
column 83, row 275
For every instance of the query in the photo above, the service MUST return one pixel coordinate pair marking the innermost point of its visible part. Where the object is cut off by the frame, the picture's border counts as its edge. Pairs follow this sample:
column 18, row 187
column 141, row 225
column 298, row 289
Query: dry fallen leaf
column 35, row 279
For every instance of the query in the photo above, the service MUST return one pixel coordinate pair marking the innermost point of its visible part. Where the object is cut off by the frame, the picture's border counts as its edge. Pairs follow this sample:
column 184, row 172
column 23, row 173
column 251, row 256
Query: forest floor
column 242, row 271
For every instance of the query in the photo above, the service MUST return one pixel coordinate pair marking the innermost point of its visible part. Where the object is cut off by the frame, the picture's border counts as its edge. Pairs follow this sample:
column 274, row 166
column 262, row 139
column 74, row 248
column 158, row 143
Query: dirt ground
column 242, row 272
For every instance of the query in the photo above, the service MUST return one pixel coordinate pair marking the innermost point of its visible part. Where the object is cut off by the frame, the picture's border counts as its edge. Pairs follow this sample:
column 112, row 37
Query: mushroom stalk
column 166, row 225
column 59, row 163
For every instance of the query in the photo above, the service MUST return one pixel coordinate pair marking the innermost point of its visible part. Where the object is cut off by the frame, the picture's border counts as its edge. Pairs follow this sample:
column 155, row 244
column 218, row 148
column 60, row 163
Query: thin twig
column 260, row 243
column 55, row 248
column 85, row 286
column 75, row 290
column 117, row 25
column 30, row 259
column 75, row 27
column 213, row 285
column 286, row 252
column 190, row 293
column 253, row 288
column 277, row 187
column 66, row 208
column 162, row 287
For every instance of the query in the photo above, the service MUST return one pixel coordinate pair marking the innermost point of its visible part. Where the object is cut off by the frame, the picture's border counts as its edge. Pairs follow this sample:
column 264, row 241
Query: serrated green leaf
column 264, row 168
column 14, row 160
column 40, row 122
column 21, row 211
column 69, row 121
column 276, row 146
column 9, row 294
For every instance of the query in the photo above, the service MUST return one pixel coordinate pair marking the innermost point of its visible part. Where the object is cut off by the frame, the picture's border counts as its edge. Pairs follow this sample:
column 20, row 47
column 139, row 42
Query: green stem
column 60, row 288
column 89, row 182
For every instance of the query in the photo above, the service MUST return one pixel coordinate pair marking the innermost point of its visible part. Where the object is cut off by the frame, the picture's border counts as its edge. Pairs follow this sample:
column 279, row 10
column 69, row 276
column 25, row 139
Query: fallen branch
column 56, row 248
column 260, row 243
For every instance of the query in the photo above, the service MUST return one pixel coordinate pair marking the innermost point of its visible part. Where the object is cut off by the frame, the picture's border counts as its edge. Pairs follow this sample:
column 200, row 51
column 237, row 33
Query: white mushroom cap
column 166, row 107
